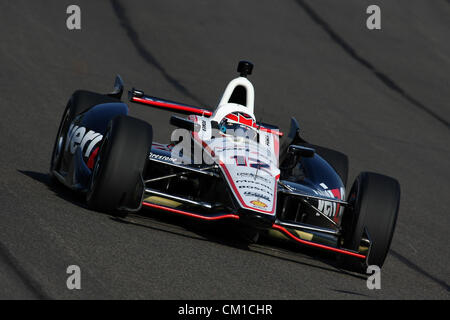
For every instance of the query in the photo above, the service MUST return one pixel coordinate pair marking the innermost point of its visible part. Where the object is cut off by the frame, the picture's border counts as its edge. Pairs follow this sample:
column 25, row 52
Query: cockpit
column 238, row 125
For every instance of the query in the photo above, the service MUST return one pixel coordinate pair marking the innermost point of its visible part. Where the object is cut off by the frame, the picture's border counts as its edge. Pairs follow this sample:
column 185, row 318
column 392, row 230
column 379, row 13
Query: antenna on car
column 245, row 68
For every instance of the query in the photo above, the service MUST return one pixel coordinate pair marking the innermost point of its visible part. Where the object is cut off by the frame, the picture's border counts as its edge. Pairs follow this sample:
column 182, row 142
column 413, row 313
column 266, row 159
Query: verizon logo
column 78, row 136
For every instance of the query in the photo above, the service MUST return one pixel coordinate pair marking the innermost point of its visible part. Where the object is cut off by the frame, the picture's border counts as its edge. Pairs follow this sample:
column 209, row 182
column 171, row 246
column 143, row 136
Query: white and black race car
column 223, row 164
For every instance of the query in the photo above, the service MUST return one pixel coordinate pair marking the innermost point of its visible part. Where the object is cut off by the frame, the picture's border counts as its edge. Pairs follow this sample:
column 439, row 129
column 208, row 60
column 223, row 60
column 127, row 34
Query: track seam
column 27, row 280
column 364, row 62
column 418, row 269
column 120, row 13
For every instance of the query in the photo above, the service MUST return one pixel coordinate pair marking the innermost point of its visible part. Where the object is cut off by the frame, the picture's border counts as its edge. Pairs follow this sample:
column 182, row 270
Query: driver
column 230, row 127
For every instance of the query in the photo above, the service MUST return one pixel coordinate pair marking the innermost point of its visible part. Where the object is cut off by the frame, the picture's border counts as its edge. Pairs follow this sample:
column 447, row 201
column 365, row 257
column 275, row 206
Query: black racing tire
column 79, row 102
column 375, row 200
column 116, row 184
column 336, row 159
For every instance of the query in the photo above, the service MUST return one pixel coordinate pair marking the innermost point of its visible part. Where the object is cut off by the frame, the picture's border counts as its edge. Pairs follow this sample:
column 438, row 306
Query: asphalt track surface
column 382, row 97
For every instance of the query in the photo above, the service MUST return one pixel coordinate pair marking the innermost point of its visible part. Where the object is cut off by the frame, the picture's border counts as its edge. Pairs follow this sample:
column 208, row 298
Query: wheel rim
column 97, row 167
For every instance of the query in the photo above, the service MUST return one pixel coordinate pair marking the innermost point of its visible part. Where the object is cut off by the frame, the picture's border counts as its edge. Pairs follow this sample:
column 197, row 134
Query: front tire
column 375, row 199
column 116, row 184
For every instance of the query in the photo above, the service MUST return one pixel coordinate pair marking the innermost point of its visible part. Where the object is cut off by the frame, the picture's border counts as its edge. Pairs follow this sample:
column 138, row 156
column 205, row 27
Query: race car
column 224, row 164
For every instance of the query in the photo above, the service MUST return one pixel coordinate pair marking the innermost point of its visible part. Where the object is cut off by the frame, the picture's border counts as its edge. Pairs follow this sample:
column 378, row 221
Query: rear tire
column 375, row 199
column 116, row 183
column 336, row 159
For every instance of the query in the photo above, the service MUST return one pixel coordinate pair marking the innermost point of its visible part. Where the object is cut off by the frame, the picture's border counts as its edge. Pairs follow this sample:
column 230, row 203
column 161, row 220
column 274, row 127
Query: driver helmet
column 232, row 126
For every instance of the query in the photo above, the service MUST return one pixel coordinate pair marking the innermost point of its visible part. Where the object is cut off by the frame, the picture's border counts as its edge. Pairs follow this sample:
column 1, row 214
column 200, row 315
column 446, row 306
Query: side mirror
column 118, row 88
column 301, row 151
column 184, row 123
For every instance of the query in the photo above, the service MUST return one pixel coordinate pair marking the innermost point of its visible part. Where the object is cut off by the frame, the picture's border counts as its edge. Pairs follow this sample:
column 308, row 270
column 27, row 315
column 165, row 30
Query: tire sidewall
column 123, row 157
column 375, row 210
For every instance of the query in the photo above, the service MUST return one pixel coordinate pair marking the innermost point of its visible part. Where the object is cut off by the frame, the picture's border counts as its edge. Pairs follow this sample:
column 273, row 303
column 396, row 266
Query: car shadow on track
column 228, row 233
column 221, row 232
column 56, row 187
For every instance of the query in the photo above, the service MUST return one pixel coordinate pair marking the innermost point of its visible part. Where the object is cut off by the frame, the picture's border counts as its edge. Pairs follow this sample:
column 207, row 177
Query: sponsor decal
column 160, row 157
column 331, row 209
column 255, row 188
column 253, row 176
column 252, row 182
column 258, row 203
column 78, row 136
column 256, row 195
column 327, row 207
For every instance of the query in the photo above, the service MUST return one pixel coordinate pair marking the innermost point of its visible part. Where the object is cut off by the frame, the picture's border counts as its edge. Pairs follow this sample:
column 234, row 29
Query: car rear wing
column 138, row 96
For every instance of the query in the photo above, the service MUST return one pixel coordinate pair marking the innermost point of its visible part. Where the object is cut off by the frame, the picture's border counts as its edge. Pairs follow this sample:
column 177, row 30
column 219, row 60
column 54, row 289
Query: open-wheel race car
column 224, row 164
